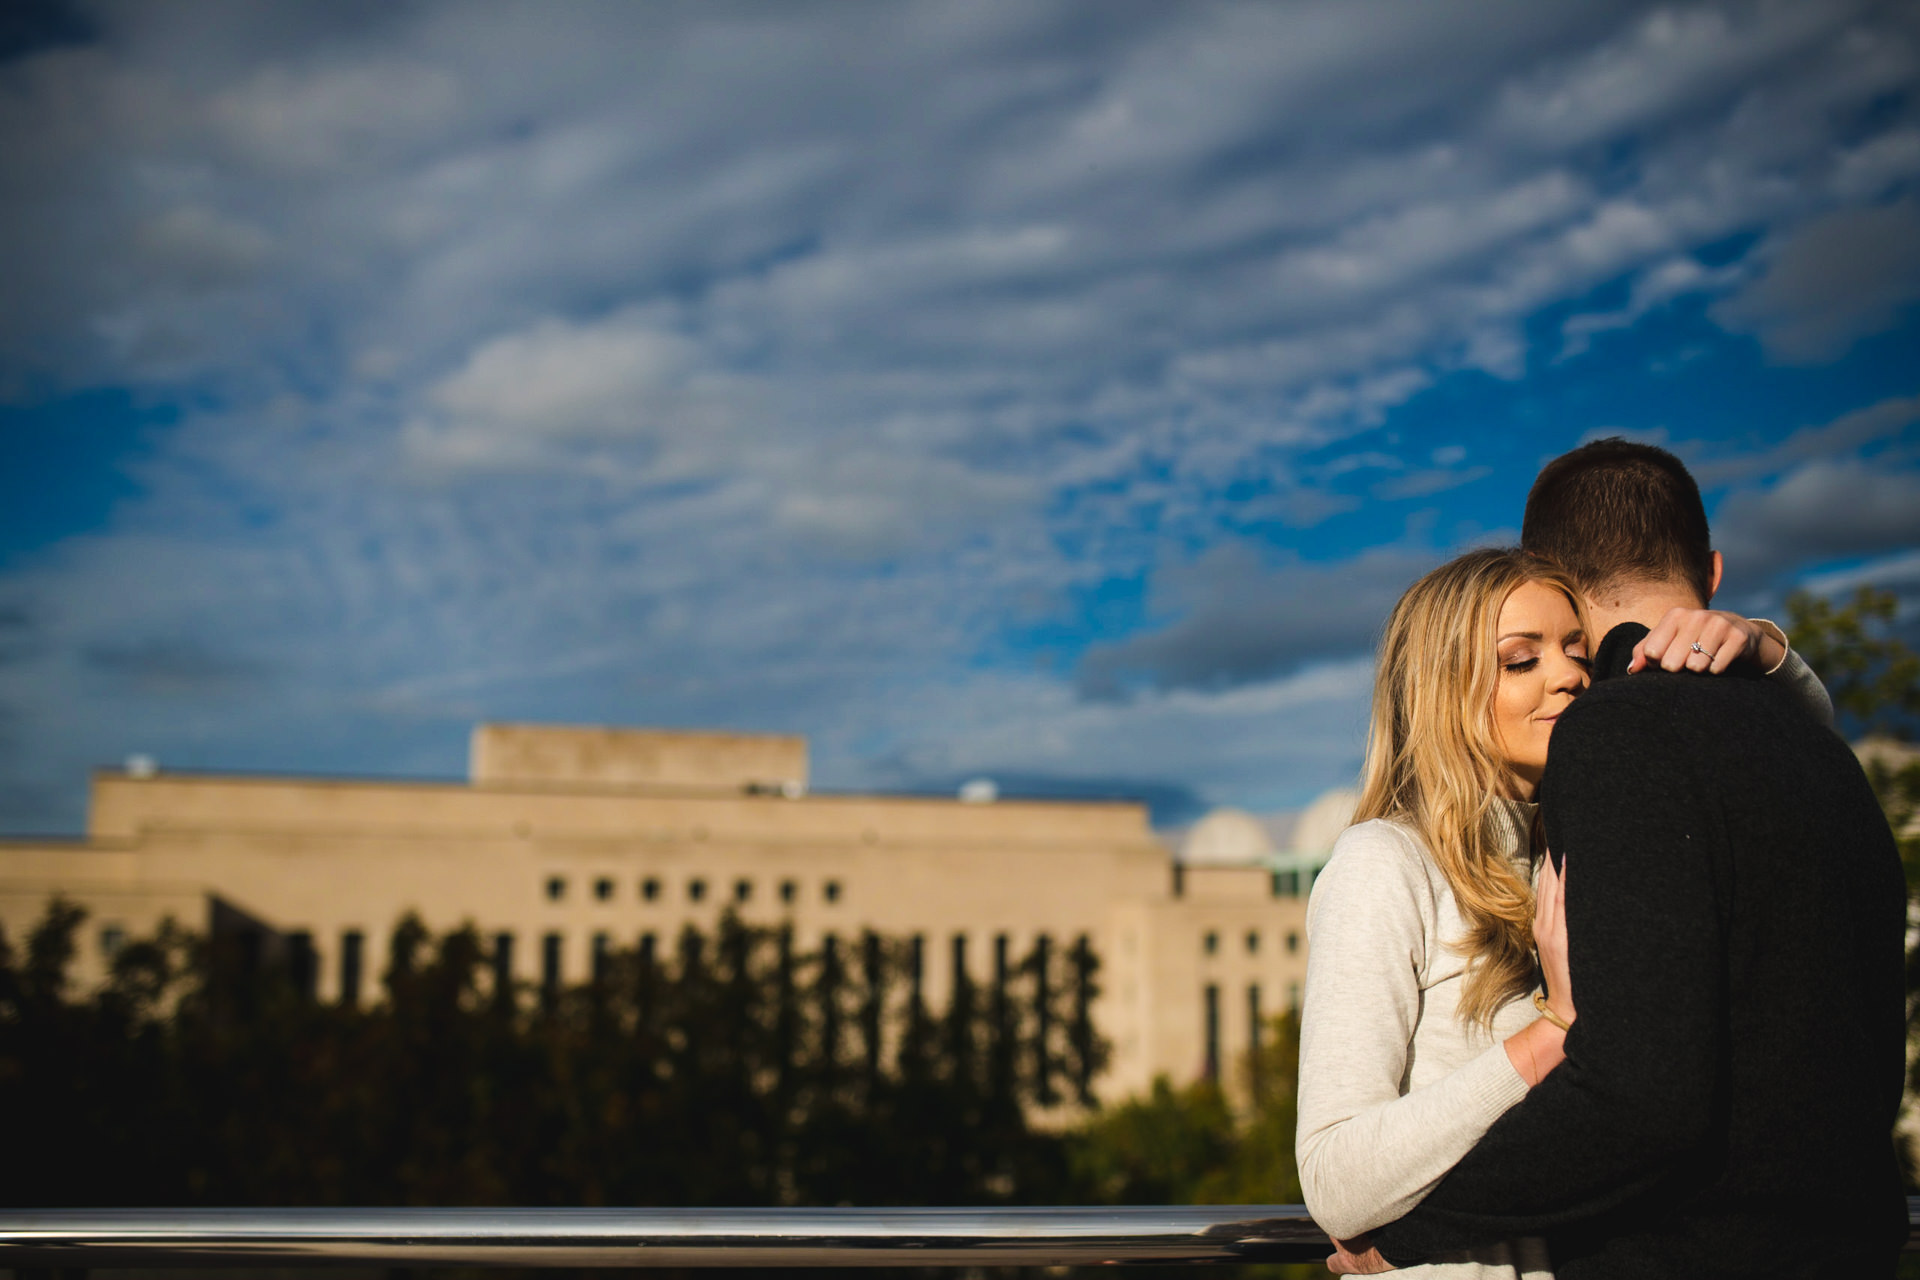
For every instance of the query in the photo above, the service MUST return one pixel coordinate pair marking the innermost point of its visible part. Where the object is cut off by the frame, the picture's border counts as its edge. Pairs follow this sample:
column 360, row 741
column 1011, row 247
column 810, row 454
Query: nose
column 1566, row 676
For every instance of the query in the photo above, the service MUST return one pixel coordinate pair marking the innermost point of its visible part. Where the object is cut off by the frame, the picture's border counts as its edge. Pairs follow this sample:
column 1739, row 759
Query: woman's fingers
column 1654, row 645
column 1554, row 961
column 1357, row 1258
column 1550, row 936
column 1546, row 887
column 1695, row 640
column 1734, row 645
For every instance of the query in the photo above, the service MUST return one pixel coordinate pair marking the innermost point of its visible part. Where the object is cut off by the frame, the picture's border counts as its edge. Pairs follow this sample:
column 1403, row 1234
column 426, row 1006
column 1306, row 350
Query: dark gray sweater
column 1736, row 914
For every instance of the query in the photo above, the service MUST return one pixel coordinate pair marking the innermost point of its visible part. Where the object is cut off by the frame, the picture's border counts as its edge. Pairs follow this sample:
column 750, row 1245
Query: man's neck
column 1644, row 603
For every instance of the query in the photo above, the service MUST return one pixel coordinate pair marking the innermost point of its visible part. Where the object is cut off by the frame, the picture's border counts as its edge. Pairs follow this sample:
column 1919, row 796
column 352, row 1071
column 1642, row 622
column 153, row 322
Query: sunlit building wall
column 566, row 844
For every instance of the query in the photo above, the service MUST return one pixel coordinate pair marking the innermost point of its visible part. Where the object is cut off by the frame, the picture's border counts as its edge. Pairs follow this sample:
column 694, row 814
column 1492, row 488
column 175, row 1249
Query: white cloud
column 1832, row 282
column 768, row 365
column 1822, row 510
column 1231, row 617
column 1844, row 436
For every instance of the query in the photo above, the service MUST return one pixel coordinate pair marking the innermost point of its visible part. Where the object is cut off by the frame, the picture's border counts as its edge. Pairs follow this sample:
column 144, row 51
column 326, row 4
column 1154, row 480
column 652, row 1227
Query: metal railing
column 88, row 1238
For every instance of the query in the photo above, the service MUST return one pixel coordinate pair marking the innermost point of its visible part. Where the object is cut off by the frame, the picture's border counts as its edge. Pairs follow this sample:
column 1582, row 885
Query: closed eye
column 1522, row 667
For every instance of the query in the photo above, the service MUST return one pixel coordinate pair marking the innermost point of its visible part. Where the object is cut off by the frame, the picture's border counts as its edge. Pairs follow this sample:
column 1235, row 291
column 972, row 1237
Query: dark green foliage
column 1187, row 1146
column 1873, row 677
column 741, row 1073
column 1875, row 682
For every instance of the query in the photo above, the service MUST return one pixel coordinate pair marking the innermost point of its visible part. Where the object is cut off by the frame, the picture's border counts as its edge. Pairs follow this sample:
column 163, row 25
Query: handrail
column 658, row 1237
column 1162, row 1234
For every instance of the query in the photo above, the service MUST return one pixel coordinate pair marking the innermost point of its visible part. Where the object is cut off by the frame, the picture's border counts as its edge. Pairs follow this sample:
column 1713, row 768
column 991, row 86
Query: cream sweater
column 1394, row 1089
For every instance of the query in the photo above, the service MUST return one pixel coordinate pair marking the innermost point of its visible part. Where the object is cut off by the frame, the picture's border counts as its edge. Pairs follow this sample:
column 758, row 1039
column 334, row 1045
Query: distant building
column 567, row 842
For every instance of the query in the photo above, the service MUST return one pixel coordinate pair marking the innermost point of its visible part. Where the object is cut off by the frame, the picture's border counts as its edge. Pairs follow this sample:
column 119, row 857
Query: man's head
column 1625, row 521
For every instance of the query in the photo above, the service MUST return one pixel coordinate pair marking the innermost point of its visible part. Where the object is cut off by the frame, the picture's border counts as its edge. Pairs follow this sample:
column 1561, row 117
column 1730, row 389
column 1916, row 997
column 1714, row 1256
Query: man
column 1736, row 914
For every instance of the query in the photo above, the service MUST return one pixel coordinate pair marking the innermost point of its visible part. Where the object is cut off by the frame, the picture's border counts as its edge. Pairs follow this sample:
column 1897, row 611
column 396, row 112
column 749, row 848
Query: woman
column 1420, row 1026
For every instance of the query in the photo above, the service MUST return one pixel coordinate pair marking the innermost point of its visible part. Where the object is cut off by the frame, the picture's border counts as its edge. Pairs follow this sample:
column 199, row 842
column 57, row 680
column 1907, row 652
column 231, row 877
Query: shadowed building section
column 569, row 842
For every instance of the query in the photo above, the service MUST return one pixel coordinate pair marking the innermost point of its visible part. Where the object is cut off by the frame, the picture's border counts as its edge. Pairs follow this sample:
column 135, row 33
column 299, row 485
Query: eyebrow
column 1578, row 633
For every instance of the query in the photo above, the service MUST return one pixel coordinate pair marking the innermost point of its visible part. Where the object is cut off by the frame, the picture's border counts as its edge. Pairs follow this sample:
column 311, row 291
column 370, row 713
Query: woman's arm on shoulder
column 1367, row 1153
column 1725, row 638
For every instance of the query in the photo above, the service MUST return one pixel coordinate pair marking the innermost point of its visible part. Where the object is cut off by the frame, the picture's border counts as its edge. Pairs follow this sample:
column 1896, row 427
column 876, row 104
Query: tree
column 1875, row 682
column 1873, row 676
column 1191, row 1146
column 738, row 1072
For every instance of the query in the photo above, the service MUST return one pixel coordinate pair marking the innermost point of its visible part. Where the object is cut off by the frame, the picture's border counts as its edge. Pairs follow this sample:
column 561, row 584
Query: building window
column 1253, row 942
column 1179, row 881
column 789, row 891
column 831, row 890
column 112, row 938
column 550, row 968
column 742, row 890
column 1293, row 943
column 352, row 963
column 696, row 889
column 556, row 888
column 603, row 888
column 602, row 957
column 650, row 889
column 1210, row 943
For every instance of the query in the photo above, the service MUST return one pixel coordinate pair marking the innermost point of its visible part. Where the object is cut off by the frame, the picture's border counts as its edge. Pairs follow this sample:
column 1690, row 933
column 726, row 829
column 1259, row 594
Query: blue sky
column 1056, row 392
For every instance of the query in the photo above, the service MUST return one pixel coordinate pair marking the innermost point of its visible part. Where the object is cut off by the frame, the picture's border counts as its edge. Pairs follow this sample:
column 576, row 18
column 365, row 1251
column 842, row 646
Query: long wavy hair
column 1434, row 761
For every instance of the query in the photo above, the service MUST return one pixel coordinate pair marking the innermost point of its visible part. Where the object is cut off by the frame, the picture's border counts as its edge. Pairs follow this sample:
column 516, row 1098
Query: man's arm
column 1637, row 1090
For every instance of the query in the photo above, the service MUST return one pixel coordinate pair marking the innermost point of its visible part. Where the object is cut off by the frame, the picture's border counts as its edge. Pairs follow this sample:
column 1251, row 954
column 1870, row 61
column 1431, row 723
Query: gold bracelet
column 1540, row 1003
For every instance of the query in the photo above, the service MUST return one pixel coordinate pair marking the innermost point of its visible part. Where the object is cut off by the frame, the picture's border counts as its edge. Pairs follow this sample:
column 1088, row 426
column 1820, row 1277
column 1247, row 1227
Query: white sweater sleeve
column 1805, row 686
column 1367, row 1152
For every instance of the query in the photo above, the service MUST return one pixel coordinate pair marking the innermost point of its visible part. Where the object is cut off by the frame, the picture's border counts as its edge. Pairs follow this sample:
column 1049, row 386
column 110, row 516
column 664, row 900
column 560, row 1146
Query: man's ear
column 1718, row 566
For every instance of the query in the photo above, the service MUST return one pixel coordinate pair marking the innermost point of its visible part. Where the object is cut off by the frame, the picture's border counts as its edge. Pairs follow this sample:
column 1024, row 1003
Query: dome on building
column 1323, row 820
column 1226, row 837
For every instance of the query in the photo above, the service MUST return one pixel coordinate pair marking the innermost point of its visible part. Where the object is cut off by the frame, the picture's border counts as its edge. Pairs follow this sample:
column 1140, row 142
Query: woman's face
column 1543, row 668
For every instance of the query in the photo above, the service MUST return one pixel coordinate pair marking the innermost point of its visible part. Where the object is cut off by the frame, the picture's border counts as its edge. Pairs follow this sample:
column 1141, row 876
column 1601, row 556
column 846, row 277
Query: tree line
column 736, row 1071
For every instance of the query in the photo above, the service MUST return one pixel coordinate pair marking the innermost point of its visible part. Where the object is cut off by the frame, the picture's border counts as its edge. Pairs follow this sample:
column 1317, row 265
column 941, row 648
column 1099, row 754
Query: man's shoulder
column 1674, row 725
column 1628, row 706
column 1654, row 699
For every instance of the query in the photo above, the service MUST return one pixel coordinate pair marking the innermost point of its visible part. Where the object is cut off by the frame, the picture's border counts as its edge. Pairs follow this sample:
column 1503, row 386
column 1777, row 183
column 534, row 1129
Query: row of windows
column 1210, row 942
column 552, row 945
column 652, row 889
column 1281, row 884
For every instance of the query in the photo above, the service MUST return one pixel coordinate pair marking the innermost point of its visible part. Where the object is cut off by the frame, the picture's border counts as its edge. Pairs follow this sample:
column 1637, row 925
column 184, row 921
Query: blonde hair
column 1434, row 763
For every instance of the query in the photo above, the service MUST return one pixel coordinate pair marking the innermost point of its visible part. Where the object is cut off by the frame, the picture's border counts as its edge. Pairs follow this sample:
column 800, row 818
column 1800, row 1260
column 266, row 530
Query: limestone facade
column 566, row 841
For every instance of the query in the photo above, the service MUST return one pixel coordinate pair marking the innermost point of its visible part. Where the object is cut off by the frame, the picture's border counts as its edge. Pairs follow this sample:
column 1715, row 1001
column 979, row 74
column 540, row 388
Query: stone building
column 567, row 842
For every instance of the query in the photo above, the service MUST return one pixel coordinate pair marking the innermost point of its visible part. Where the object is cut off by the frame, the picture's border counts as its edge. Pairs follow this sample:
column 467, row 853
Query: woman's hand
column 1357, row 1257
column 1540, row 1046
column 1706, row 640
column 1550, row 937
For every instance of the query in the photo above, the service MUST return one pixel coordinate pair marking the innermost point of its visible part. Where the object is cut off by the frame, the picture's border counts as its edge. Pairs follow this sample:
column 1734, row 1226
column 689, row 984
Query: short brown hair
column 1615, row 512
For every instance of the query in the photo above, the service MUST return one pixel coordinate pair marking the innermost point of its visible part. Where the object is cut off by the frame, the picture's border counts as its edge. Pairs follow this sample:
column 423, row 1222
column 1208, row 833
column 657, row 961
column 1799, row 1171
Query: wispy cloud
column 793, row 366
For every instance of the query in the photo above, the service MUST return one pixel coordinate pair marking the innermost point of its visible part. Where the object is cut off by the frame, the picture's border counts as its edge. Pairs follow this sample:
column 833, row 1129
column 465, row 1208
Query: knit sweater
column 1394, row 1087
column 1736, row 917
